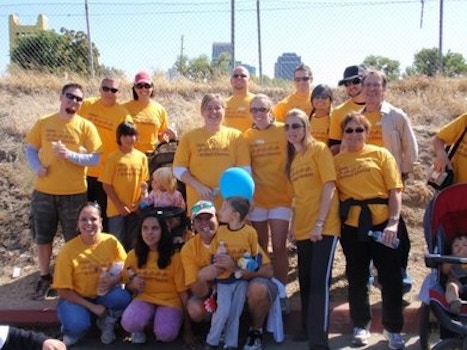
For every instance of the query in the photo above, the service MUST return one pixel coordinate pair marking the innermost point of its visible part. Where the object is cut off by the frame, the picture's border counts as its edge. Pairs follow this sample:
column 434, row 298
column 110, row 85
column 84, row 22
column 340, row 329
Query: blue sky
column 328, row 35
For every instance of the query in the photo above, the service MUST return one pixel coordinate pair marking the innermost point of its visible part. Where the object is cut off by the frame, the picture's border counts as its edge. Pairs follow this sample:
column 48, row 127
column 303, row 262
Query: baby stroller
column 163, row 156
column 448, row 219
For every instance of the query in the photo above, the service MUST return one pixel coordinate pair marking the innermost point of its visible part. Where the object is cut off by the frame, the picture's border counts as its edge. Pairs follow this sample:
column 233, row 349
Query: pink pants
column 166, row 320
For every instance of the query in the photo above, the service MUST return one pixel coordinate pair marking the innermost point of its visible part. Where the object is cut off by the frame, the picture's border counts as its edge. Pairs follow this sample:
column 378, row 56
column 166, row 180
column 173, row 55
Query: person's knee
column 257, row 293
column 166, row 333
column 196, row 311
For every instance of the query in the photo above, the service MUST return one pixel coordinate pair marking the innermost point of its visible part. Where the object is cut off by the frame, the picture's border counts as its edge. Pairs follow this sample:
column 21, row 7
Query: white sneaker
column 360, row 337
column 395, row 340
column 138, row 337
column 107, row 327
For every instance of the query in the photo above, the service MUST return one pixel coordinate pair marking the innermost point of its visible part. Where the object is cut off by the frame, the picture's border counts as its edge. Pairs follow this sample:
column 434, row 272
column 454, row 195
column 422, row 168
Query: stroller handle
column 434, row 260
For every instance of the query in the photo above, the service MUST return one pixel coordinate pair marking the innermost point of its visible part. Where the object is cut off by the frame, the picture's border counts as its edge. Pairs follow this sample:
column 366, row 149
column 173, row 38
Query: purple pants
column 166, row 320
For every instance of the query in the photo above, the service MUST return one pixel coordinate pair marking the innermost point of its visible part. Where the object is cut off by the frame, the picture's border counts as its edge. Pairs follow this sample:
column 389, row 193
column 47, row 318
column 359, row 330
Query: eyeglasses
column 143, row 86
column 354, row 81
column 352, row 130
column 298, row 79
column 109, row 89
column 72, row 97
column 293, row 126
column 254, row 110
column 236, row 76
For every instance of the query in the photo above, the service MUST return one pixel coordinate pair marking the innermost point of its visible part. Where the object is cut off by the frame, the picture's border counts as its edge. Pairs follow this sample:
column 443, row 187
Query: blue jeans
column 76, row 320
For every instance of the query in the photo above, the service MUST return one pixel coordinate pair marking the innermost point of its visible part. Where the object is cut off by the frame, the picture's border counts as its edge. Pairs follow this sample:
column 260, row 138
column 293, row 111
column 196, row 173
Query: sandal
column 42, row 289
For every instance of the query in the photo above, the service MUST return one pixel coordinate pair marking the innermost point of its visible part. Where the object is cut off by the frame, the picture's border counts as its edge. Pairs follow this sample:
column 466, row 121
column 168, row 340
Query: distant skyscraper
column 285, row 65
column 219, row 48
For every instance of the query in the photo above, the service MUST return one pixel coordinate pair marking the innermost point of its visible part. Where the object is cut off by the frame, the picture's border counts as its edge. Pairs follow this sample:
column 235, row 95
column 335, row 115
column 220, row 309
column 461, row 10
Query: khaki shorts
column 47, row 210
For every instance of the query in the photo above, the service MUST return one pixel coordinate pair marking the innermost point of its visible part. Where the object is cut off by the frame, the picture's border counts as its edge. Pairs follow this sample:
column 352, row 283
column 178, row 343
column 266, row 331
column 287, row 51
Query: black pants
column 97, row 194
column 358, row 255
column 404, row 245
column 314, row 276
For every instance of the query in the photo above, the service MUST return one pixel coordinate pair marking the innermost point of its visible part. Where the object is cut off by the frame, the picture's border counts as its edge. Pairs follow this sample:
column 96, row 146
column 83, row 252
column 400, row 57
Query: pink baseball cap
column 143, row 77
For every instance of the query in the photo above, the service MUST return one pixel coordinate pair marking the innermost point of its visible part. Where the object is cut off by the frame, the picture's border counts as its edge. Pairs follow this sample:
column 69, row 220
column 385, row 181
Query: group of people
column 321, row 175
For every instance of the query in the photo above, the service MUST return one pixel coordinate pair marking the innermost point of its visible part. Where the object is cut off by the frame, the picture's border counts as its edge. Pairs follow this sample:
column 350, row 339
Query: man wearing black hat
column 352, row 81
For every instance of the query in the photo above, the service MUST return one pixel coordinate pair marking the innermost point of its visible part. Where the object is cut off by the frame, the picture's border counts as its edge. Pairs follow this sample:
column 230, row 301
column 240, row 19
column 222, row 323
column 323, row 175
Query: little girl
column 164, row 190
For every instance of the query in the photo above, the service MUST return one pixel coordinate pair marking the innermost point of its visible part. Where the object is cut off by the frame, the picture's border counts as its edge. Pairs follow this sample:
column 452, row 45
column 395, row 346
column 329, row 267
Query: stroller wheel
column 426, row 327
column 450, row 344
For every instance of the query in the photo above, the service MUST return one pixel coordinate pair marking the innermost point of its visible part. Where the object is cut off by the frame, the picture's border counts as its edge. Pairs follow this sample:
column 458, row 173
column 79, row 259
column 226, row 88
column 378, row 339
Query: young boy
column 124, row 172
column 232, row 242
column 457, row 275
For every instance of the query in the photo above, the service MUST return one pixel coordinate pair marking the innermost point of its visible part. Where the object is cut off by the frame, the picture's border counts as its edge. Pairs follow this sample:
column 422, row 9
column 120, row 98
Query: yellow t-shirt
column 125, row 172
column 449, row 134
column 63, row 177
column 106, row 119
column 208, row 154
column 195, row 255
column 369, row 173
column 376, row 133
column 309, row 171
column 319, row 128
column 338, row 114
column 268, row 151
column 294, row 100
column 79, row 265
column 150, row 120
column 162, row 286
column 237, row 112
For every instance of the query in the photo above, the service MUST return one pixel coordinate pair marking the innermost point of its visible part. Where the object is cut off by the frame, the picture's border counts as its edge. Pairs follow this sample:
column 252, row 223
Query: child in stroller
column 446, row 222
column 456, row 284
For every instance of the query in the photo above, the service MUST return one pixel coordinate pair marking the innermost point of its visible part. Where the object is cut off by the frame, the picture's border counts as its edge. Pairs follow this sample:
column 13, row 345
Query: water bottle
column 378, row 237
column 104, row 274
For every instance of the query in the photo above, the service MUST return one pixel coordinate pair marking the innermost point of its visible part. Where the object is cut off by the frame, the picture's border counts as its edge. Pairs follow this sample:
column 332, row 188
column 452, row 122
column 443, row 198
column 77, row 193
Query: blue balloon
column 236, row 182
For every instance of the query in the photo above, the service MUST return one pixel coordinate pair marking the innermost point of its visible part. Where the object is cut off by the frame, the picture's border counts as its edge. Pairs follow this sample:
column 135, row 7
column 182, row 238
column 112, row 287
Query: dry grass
column 24, row 97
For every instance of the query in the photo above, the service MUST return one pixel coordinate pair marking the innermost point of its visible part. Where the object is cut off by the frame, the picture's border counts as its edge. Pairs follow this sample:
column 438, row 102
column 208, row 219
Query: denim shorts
column 47, row 210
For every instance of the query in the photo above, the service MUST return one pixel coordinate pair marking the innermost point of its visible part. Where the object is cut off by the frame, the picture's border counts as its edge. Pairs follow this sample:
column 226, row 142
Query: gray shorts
column 47, row 210
column 269, row 284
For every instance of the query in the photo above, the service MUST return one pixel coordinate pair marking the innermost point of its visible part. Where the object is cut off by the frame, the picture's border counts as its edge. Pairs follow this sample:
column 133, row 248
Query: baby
column 164, row 191
column 457, row 275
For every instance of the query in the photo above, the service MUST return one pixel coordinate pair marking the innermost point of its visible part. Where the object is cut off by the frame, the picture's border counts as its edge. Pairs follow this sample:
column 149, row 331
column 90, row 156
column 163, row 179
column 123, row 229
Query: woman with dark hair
column 149, row 116
column 83, row 288
column 321, row 100
column 315, row 224
column 154, row 273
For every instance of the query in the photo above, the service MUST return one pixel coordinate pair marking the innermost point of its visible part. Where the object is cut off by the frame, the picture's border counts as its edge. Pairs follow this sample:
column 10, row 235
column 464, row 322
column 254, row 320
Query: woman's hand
column 316, row 233
column 390, row 234
column 209, row 273
column 137, row 284
column 98, row 310
column 205, row 192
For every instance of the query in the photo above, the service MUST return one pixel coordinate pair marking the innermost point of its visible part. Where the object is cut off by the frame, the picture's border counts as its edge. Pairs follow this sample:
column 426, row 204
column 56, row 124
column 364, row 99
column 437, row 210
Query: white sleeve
column 3, row 335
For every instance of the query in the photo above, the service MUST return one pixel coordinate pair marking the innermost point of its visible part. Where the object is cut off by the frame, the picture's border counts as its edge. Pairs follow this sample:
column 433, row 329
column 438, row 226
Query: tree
column 51, row 52
column 454, row 64
column 199, row 68
column 385, row 64
column 427, row 61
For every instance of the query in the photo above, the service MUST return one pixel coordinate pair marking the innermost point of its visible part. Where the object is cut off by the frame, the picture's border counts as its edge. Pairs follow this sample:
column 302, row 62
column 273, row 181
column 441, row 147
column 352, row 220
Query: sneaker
column 406, row 282
column 360, row 337
column 70, row 340
column 42, row 287
column 254, row 340
column 395, row 340
column 138, row 338
column 106, row 325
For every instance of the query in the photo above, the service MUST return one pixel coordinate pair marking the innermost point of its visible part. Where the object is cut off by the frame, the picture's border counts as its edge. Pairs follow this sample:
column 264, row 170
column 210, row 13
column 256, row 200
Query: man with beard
column 352, row 80
column 59, row 147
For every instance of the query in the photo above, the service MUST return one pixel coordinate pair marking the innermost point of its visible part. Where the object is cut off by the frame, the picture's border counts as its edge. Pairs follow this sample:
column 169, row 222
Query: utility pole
column 232, row 38
column 441, row 14
column 91, row 56
column 181, row 56
column 260, row 60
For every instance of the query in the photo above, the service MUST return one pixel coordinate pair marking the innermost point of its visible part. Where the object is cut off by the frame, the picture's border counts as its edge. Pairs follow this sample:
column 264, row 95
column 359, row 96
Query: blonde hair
column 211, row 97
column 166, row 179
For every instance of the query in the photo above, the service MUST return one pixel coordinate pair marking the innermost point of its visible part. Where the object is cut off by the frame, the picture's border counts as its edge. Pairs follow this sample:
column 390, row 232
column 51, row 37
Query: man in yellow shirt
column 237, row 112
column 105, row 113
column 59, row 147
column 301, row 98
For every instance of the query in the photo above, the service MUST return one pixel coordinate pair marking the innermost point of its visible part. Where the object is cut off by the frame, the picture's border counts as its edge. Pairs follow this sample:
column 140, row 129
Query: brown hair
column 358, row 118
column 211, row 97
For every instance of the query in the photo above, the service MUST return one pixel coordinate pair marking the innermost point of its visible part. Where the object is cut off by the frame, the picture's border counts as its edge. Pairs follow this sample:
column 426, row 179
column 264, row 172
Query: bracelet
column 394, row 218
column 319, row 223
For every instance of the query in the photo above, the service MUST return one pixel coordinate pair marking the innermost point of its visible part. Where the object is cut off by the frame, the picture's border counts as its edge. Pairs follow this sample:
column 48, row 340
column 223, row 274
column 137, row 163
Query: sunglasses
column 236, row 76
column 297, row 79
column 293, row 126
column 72, row 97
column 354, row 81
column 143, row 86
column 254, row 110
column 109, row 89
column 351, row 130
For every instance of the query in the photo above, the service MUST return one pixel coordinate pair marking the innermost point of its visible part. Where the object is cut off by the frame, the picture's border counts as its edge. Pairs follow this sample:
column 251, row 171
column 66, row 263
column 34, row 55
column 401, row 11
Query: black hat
column 352, row 72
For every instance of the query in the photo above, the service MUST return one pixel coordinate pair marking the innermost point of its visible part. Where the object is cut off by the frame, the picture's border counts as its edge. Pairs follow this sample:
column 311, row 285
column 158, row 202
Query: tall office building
column 219, row 48
column 285, row 65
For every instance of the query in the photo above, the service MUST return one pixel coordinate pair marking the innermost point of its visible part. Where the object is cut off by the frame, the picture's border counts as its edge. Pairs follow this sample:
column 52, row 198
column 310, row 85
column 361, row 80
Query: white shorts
column 263, row 214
